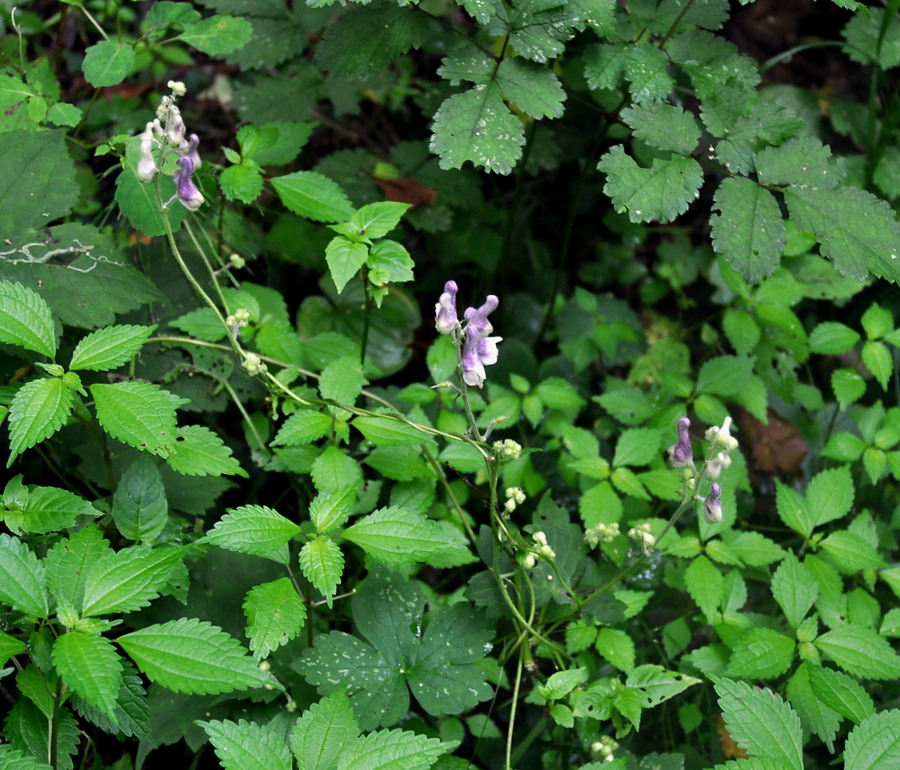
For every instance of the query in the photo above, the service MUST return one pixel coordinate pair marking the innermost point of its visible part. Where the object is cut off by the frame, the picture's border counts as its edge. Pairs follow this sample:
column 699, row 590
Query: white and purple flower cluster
column 479, row 348
column 167, row 133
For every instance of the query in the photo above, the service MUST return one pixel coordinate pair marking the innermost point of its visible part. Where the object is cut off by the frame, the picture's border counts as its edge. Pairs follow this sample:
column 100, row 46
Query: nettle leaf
column 69, row 563
column 384, row 431
column 814, row 714
column 313, row 196
column 860, row 651
column 192, row 656
column 742, row 330
column 242, row 182
column 48, row 509
column 218, row 34
column 832, row 338
column 725, row 375
column 748, row 230
column 795, row 589
column 850, row 552
column 659, row 193
column 200, row 452
column 848, row 386
column 377, row 219
column 664, row 126
column 322, row 564
column 874, row 744
column 254, row 529
column 761, row 723
column 877, row 357
column 477, row 126
column 108, row 63
column 440, row 667
column 830, row 495
column 331, row 509
column 856, row 231
column 387, row 749
column 140, row 509
column 705, row 584
column 637, row 446
column 109, row 348
column 132, row 714
column 202, row 323
column 38, row 410
column 397, row 537
column 841, row 692
column 23, row 580
column 531, row 88
column 246, row 745
column 126, row 580
column 388, row 262
column 26, row 319
column 760, row 653
column 139, row 414
column 303, row 427
column 323, row 731
column 345, row 258
column 655, row 685
column 342, row 380
column 90, row 665
column 334, row 470
column 793, row 509
column 275, row 614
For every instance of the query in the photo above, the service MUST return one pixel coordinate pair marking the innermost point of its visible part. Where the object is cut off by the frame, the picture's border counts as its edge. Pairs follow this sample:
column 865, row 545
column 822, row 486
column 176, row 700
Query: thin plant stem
column 512, row 710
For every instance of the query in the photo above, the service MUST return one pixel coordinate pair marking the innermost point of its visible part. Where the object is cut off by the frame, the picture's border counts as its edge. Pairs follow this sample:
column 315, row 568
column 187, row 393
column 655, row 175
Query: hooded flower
column 477, row 352
column 477, row 320
column 445, row 310
column 193, row 143
column 187, row 192
column 681, row 453
column 712, row 505
column 146, row 166
column 175, row 128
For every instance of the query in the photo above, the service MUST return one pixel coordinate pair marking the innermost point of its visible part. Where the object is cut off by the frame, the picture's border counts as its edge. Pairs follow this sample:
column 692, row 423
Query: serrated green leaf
column 742, row 331
column 725, row 375
column 126, row 580
column 646, row 70
column 664, row 126
column 761, row 723
column 795, row 589
column 557, row 393
column 323, row 731
column 202, row 323
column 832, row 338
column 860, row 651
column 637, row 446
column 200, row 452
column 39, row 409
column 748, row 230
column 705, row 584
column 877, row 357
column 869, row 39
column 254, row 529
column 856, row 231
column 90, row 665
column 802, row 161
column 844, row 447
column 10, row 646
column 275, row 614
column 841, row 692
column 344, row 258
column 313, row 196
column 752, row 548
column 387, row 749
column 616, row 646
column 383, row 431
column 69, row 563
column 192, row 656
column 850, row 552
column 793, row 509
column 377, row 219
column 109, row 348
column 108, row 63
column 218, row 34
column 531, row 88
column 659, row 193
column 26, row 319
column 322, row 564
column 396, row 537
column 334, row 470
column 760, row 653
column 140, row 509
column 830, row 495
column 332, row 509
column 139, row 414
column 814, row 714
column 48, row 509
column 388, row 262
column 561, row 683
column 303, row 427
column 246, row 745
column 538, row 29
column 23, row 581
column 477, row 126
column 655, row 685
column 242, row 182
column 874, row 744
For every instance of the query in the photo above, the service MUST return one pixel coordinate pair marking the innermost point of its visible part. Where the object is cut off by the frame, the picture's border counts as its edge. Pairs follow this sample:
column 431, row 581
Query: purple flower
column 477, row 352
column 681, row 453
column 445, row 319
column 712, row 505
column 187, row 192
column 193, row 141
column 477, row 321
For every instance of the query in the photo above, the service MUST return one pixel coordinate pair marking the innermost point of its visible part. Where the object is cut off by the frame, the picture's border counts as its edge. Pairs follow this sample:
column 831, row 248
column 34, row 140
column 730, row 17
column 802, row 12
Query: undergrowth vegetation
column 492, row 384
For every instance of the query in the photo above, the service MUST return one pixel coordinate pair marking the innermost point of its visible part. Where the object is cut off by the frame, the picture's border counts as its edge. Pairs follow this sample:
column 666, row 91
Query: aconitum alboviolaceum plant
column 479, row 349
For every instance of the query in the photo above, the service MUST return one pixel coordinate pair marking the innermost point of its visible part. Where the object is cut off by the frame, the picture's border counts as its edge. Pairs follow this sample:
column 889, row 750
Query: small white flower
column 177, row 87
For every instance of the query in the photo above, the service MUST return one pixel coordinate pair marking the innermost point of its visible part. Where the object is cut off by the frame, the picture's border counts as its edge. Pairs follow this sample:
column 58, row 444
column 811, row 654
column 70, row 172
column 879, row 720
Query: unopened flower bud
column 712, row 505
column 681, row 453
column 175, row 128
column 146, row 166
column 177, row 87
column 445, row 320
column 718, row 464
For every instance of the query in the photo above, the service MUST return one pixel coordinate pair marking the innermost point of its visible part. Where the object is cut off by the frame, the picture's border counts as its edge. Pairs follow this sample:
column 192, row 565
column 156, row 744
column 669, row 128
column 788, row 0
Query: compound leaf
column 664, row 126
column 192, row 656
column 531, row 88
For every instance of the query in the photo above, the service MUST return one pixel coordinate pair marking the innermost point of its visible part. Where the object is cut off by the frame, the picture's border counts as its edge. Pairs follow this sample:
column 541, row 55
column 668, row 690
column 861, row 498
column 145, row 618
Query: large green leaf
column 313, row 196
column 69, row 563
column 760, row 653
column 39, row 409
column 245, row 745
column 26, row 320
column 275, row 614
column 794, row 589
column 654, row 684
column 664, row 126
column 761, row 723
column 860, row 651
column 841, row 692
column 254, row 529
column 659, row 193
column 218, row 35
column 200, row 452
column 126, row 580
column 140, row 509
column 110, row 347
column 90, row 665
column 48, row 509
column 748, row 230
column 323, row 731
column 531, row 88
column 23, row 581
column 139, row 414
column 874, row 744
column 344, row 258
column 397, row 537
column 391, row 750
column 192, row 656
column 108, row 63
